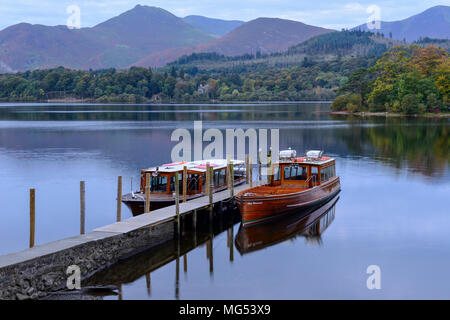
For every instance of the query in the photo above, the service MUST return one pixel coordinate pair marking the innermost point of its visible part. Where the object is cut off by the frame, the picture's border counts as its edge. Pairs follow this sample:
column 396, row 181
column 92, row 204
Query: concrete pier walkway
column 34, row 272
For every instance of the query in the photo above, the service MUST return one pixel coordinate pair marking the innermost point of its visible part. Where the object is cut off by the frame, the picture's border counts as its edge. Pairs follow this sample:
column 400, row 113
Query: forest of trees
column 406, row 80
column 310, row 80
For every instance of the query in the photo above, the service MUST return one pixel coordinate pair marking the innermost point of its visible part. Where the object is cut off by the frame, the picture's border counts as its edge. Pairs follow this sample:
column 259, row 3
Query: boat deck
column 268, row 190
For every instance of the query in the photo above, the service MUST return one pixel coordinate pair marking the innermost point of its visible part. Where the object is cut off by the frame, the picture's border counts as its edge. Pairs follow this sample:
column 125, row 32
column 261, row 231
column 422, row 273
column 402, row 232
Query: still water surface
column 393, row 210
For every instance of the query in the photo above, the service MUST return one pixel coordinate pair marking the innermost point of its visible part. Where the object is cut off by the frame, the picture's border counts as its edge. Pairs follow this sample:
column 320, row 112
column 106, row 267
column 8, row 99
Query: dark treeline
column 342, row 43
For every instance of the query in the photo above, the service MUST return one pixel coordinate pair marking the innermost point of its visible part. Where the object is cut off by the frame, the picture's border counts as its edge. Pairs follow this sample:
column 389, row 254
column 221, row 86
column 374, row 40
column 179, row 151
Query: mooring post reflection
column 231, row 242
column 149, row 284
column 177, row 271
column 211, row 256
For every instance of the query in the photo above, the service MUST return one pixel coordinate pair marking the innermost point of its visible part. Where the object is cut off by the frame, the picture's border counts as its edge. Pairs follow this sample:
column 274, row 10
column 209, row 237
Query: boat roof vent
column 314, row 154
column 288, row 154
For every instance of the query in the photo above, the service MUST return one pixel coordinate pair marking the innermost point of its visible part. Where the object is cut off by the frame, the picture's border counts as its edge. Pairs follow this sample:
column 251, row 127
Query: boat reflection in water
column 309, row 224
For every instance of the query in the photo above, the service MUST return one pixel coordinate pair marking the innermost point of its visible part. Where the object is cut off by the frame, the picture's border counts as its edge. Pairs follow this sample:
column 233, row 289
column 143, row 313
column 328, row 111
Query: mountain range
column 150, row 36
column 432, row 23
column 264, row 35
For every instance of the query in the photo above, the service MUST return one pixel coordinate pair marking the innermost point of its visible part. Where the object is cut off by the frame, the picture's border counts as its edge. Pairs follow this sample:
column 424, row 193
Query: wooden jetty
column 170, row 213
column 41, row 269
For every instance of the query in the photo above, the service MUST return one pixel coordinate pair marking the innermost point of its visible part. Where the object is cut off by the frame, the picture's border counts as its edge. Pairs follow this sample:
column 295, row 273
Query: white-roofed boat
column 162, row 182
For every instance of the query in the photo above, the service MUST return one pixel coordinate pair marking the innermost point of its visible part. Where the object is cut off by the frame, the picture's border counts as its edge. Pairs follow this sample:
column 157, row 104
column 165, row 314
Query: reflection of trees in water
column 218, row 112
column 421, row 144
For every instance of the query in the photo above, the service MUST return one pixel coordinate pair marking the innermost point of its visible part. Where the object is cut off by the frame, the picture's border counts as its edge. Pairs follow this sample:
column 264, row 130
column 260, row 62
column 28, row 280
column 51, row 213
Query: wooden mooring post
column 269, row 168
column 231, row 180
column 32, row 216
column 82, row 207
column 228, row 172
column 247, row 174
column 259, row 166
column 177, row 201
column 185, row 184
column 147, row 193
column 209, row 183
column 250, row 171
column 119, row 199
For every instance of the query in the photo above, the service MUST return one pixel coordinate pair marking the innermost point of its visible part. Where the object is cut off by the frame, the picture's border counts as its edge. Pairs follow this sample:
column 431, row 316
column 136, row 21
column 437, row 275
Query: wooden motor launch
column 162, row 182
column 296, row 184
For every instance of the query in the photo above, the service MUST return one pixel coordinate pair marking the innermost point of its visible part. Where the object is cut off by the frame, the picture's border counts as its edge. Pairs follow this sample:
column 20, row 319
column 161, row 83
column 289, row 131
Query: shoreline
column 390, row 115
column 215, row 102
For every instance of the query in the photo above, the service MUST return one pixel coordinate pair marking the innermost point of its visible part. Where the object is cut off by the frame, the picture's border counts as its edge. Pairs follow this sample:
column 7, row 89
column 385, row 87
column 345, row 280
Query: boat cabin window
column 315, row 174
column 158, row 184
column 193, row 183
column 324, row 174
column 220, row 177
column 295, row 173
column 327, row 173
column 276, row 173
column 172, row 182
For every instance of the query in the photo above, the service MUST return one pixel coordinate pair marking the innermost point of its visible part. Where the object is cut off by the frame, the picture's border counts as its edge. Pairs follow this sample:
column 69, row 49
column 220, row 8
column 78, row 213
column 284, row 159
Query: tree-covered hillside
column 406, row 79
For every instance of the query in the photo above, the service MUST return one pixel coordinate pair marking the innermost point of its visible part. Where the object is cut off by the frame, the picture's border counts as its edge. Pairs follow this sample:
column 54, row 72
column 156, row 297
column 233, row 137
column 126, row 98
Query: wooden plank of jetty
column 169, row 213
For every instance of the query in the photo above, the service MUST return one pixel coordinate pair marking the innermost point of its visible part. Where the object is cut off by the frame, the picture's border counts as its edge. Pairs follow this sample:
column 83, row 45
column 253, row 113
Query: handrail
column 313, row 177
column 192, row 180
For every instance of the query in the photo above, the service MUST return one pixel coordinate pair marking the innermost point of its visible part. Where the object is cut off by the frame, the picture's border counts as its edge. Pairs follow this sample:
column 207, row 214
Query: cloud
column 320, row 12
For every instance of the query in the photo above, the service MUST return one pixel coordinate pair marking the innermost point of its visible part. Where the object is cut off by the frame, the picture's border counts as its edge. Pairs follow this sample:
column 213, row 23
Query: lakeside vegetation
column 311, row 80
column 408, row 80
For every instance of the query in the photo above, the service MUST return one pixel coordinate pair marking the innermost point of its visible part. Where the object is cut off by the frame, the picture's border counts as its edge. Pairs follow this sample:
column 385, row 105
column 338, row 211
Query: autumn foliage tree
column 406, row 79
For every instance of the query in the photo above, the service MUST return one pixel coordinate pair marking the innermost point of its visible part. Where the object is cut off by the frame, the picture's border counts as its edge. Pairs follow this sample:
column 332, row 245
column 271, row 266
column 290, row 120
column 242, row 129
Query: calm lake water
column 393, row 210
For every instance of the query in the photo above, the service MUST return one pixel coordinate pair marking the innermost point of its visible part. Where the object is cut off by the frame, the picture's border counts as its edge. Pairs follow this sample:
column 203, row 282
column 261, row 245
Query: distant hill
column 345, row 43
column 352, row 48
column 118, row 42
column 433, row 23
column 264, row 35
column 25, row 47
column 215, row 27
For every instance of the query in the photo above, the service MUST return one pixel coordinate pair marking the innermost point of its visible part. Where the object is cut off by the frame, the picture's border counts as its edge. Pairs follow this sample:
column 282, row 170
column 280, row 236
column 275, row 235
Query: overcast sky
column 324, row 13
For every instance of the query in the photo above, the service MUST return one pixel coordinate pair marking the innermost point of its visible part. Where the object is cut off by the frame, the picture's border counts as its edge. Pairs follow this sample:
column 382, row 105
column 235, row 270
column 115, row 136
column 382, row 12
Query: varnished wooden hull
column 256, row 209
column 295, row 224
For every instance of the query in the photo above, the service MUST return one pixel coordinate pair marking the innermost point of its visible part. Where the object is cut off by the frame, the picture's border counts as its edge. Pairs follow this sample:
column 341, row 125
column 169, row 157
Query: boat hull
column 291, row 226
column 256, row 209
column 137, row 207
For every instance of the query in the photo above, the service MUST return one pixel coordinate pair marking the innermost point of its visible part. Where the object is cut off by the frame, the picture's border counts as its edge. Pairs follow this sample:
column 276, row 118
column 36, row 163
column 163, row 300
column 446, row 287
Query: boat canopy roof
column 313, row 157
column 199, row 166
column 304, row 160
